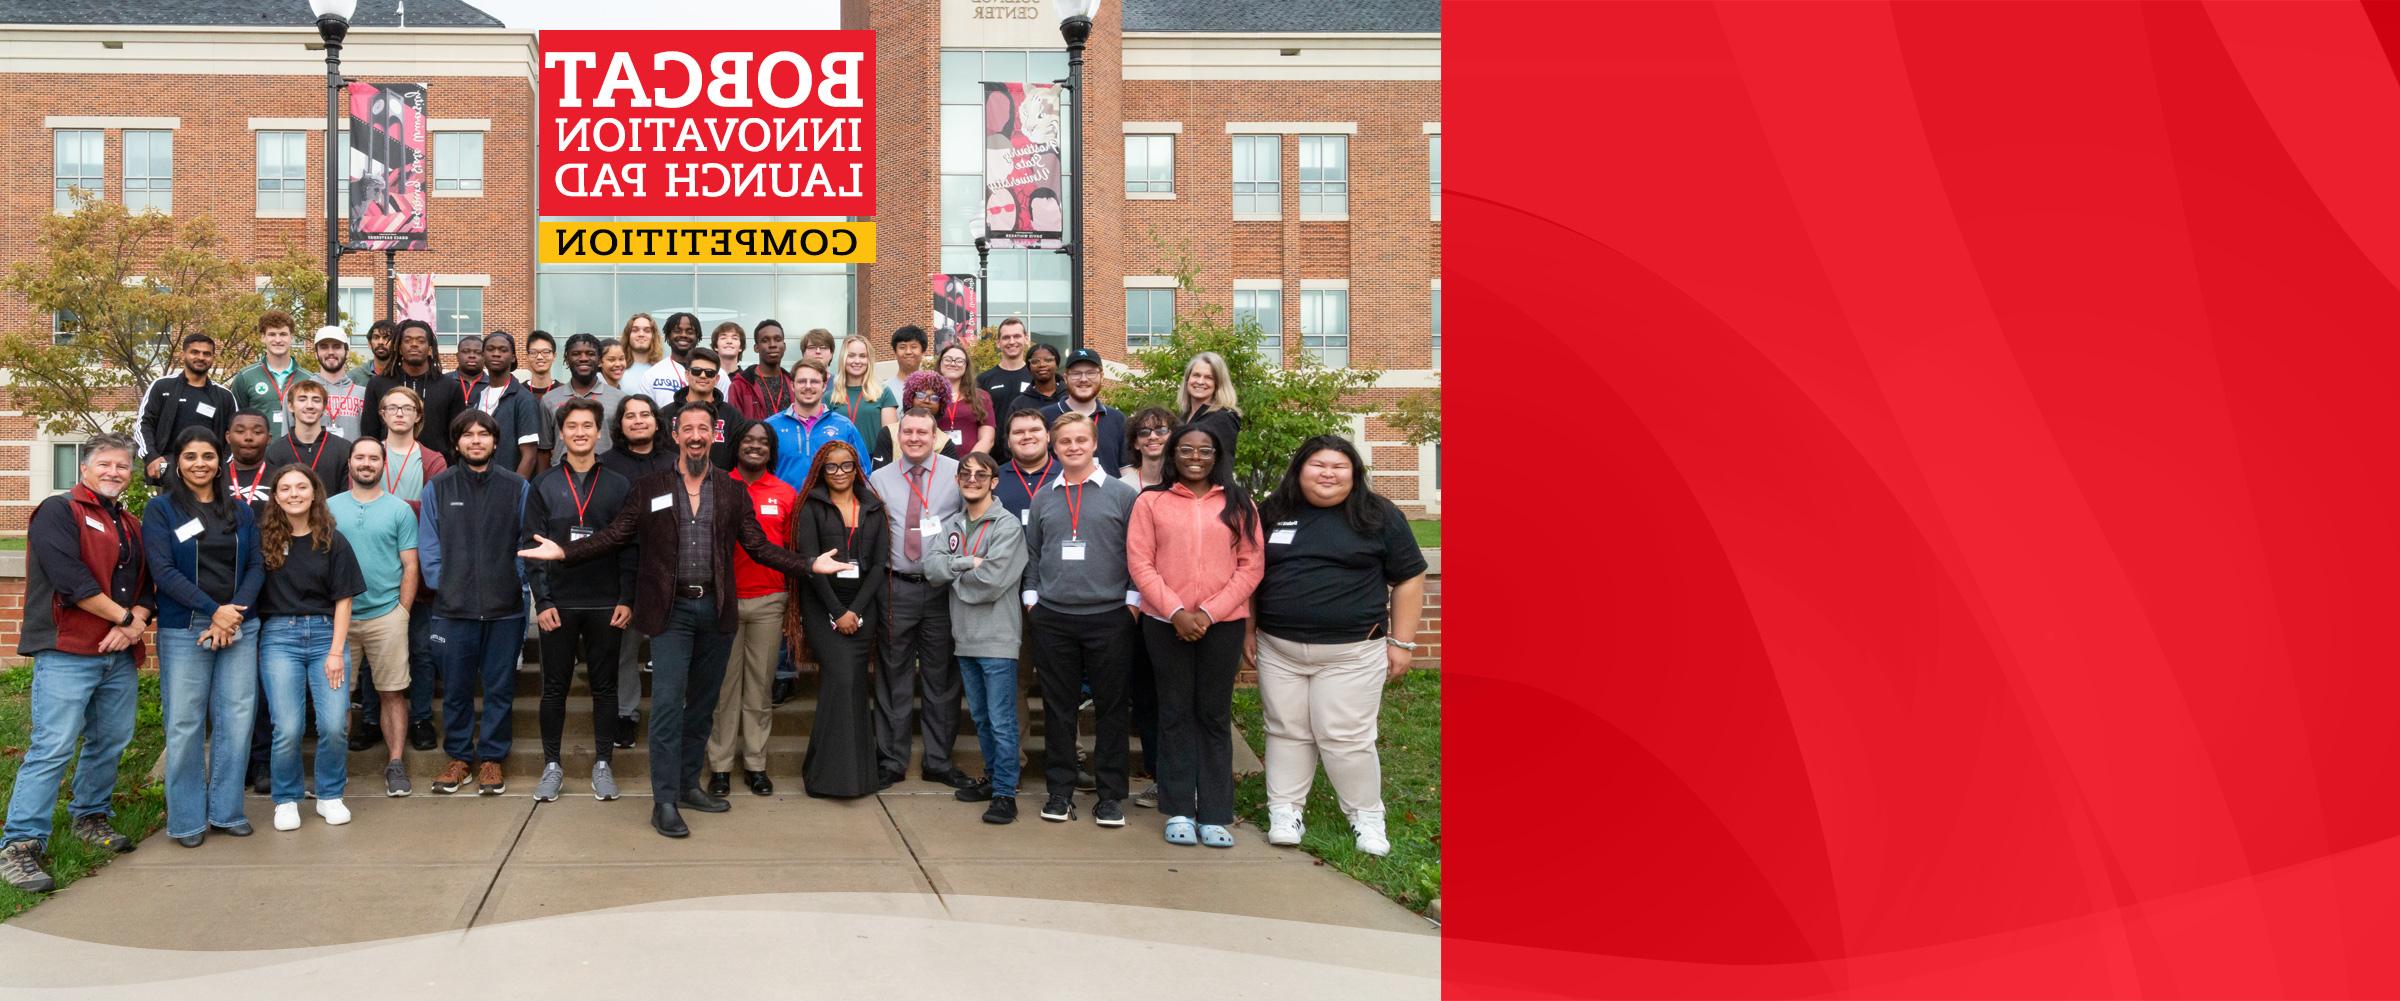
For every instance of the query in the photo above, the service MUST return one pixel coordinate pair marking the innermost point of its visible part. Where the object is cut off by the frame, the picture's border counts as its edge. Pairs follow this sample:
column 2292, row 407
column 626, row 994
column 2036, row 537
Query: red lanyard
column 311, row 462
column 254, row 480
column 850, row 529
column 850, row 398
column 776, row 397
column 401, row 468
column 925, row 502
column 581, row 501
column 1074, row 492
column 978, row 543
column 1037, row 479
column 468, row 390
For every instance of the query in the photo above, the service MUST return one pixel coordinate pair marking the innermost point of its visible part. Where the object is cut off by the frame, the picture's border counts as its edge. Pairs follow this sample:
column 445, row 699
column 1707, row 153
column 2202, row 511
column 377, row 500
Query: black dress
column 841, row 745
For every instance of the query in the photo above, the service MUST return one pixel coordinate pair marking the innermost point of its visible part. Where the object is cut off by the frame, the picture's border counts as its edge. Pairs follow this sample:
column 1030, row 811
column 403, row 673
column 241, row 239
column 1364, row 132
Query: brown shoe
column 488, row 779
column 452, row 776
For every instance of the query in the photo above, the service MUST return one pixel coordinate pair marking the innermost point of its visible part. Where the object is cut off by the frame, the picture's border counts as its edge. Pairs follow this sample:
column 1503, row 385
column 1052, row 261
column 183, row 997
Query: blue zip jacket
column 175, row 564
column 796, row 447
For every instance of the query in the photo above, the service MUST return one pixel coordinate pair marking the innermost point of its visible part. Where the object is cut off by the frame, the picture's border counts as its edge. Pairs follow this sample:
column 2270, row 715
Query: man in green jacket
column 259, row 388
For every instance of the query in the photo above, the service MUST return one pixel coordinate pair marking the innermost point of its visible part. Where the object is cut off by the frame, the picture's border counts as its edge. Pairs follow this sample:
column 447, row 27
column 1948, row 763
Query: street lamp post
column 983, row 263
column 1075, row 24
column 333, row 24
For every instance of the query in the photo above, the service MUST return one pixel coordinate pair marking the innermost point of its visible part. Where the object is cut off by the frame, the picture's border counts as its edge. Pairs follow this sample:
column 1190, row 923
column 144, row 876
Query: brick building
column 1293, row 152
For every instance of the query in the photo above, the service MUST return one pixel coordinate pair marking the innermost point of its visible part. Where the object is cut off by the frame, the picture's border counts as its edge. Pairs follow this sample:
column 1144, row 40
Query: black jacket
column 550, row 512
column 469, row 528
column 442, row 405
column 660, row 459
column 730, row 425
column 172, row 405
column 821, row 528
column 652, row 525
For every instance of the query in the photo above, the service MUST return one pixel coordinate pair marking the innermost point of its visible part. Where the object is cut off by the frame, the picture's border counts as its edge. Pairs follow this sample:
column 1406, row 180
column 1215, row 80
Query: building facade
column 1292, row 156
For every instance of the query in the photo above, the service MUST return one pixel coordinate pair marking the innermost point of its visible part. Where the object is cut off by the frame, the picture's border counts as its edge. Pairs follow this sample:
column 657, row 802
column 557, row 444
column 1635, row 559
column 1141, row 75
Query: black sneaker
column 625, row 727
column 781, row 691
column 887, row 780
column 1002, row 811
column 365, row 737
column 1109, row 813
column 974, row 792
column 1059, row 809
column 421, row 735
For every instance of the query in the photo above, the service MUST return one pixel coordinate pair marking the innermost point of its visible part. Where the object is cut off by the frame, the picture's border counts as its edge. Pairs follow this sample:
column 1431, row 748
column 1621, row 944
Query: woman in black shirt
column 303, row 658
column 1041, row 361
column 837, row 615
column 1337, row 617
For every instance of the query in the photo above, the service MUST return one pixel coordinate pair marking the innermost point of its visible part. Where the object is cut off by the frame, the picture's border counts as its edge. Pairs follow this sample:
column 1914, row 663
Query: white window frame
column 1152, row 141
column 1325, row 188
column 483, row 325
column 49, row 454
column 157, row 190
column 62, row 201
column 1433, row 168
column 1149, row 285
column 1435, row 294
column 1259, row 187
column 1271, row 338
column 1315, row 295
column 441, row 141
column 259, row 177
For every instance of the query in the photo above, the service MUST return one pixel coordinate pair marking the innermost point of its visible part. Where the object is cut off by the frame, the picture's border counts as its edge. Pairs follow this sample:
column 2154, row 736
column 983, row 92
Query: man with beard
column 807, row 425
column 764, row 389
column 583, row 383
column 420, row 369
column 345, row 398
column 184, row 399
column 582, row 606
column 487, row 381
column 687, row 523
column 471, row 522
column 683, row 334
column 702, row 370
column 383, row 349
column 382, row 532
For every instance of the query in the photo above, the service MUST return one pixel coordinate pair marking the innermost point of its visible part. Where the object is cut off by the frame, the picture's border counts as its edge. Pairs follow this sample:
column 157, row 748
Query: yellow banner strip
column 706, row 242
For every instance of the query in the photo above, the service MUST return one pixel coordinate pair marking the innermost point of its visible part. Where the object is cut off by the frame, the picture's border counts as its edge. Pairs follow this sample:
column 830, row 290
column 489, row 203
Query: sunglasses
column 974, row 476
column 704, row 373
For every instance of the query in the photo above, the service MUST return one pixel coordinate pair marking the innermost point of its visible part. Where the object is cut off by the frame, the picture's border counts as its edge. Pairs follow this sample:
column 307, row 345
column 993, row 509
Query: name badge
column 1071, row 552
column 185, row 531
column 94, row 523
column 578, row 534
column 929, row 529
column 1281, row 537
column 850, row 572
column 661, row 502
column 1025, row 517
column 957, row 437
column 770, row 509
column 206, row 409
column 1023, row 386
column 278, row 415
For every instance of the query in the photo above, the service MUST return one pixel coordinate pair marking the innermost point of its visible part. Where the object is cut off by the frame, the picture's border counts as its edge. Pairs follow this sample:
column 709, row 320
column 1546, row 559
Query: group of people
column 313, row 538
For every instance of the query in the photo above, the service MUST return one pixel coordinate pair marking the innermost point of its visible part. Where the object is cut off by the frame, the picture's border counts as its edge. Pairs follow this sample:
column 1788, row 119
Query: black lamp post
column 333, row 24
column 983, row 263
column 1075, row 24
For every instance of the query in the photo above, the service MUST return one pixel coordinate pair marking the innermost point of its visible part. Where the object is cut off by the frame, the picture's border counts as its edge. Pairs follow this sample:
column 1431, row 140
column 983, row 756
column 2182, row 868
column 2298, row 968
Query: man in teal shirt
column 259, row 388
column 382, row 531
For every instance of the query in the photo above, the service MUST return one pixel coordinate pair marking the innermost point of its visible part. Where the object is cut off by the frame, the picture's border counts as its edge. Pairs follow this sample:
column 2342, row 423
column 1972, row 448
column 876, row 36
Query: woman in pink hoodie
column 1193, row 546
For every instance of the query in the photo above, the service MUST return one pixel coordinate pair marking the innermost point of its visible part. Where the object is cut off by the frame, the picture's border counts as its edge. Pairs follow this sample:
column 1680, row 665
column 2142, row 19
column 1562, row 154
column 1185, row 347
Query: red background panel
column 1973, row 570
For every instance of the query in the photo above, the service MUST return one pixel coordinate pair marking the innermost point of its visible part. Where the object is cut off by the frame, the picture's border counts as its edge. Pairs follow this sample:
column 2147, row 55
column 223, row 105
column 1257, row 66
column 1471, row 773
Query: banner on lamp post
column 413, row 298
column 957, row 309
column 388, row 170
column 1024, row 201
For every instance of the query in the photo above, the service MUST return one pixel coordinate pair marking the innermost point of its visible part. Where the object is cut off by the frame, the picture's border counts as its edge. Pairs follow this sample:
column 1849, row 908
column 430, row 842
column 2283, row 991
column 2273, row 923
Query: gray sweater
column 985, row 618
column 1099, row 582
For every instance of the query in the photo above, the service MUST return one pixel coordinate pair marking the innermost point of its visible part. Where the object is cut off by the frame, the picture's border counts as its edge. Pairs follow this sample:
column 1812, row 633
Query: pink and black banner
column 956, row 308
column 1023, row 185
column 388, row 169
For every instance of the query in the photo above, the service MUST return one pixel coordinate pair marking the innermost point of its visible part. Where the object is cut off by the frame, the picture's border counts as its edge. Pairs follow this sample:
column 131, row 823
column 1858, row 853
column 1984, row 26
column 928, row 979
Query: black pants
column 1143, row 688
column 916, row 653
column 1195, row 719
column 687, row 669
column 1076, row 650
column 584, row 629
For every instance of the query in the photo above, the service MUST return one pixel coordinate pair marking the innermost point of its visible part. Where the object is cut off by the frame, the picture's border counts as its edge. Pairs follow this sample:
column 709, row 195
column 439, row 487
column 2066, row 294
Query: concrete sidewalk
column 430, row 864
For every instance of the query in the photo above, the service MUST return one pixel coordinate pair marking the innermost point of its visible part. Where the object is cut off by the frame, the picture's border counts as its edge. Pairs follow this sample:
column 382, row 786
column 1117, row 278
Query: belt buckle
column 691, row 590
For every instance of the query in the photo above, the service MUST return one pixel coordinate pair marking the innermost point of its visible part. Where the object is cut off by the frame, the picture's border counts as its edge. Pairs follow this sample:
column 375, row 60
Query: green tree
column 1419, row 416
column 1281, row 406
column 126, row 288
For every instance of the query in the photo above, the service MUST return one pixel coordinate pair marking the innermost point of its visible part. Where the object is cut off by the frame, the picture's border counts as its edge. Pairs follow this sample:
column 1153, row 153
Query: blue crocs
column 1216, row 836
column 1179, row 831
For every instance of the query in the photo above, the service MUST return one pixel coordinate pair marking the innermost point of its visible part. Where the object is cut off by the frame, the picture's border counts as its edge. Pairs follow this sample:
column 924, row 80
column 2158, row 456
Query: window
column 66, row 461
column 1324, row 177
column 1149, row 317
column 283, row 174
column 149, row 170
column 1437, row 324
column 456, row 310
column 358, row 313
column 1433, row 162
column 1264, row 307
column 458, row 161
column 1257, row 177
column 62, row 326
column 1325, row 326
column 1149, row 165
column 75, row 164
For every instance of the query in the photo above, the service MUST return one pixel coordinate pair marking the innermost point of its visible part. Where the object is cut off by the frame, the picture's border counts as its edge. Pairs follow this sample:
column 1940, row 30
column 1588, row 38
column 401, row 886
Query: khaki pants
column 383, row 643
column 744, row 711
column 1321, row 702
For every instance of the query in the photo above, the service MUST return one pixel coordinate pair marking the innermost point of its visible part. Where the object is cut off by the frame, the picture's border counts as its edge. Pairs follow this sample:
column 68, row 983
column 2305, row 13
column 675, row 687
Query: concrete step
column 632, row 764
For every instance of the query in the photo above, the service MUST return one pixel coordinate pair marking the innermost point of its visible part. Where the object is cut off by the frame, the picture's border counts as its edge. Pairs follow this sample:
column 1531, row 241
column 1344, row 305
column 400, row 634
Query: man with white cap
column 345, row 398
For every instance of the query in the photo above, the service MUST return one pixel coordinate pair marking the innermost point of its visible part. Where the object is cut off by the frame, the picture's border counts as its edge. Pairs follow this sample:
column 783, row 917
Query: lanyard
column 850, row 400
column 850, row 528
column 1019, row 472
column 978, row 543
column 777, row 395
column 255, row 480
column 581, row 501
column 311, row 461
column 469, row 389
column 925, row 502
column 1074, row 492
column 398, row 472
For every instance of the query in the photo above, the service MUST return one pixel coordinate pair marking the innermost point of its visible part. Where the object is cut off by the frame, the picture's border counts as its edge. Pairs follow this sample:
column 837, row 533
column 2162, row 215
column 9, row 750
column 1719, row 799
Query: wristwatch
column 127, row 620
column 1410, row 647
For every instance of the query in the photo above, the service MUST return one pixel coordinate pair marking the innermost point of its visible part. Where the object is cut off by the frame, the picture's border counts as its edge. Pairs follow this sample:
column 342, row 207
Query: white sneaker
column 1367, row 825
column 1283, row 825
column 287, row 816
column 332, row 810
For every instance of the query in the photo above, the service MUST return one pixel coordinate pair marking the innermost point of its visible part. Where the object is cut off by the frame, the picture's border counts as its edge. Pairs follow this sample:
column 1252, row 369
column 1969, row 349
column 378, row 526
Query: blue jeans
column 291, row 667
column 209, row 698
column 478, row 657
column 87, row 697
column 422, row 670
column 991, row 684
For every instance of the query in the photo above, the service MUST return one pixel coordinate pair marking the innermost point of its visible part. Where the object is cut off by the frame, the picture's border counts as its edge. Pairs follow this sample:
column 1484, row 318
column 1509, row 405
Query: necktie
column 914, row 545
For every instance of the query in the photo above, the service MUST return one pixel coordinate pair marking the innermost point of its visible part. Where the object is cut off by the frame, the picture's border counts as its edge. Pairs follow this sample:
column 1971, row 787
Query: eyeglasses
column 393, row 408
column 1151, row 432
column 974, row 476
column 841, row 467
column 1195, row 452
column 704, row 373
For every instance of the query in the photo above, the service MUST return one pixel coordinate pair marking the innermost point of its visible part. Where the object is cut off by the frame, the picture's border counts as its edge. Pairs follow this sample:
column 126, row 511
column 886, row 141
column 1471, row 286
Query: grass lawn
column 1429, row 533
column 16, row 542
column 1411, row 742
column 141, row 806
